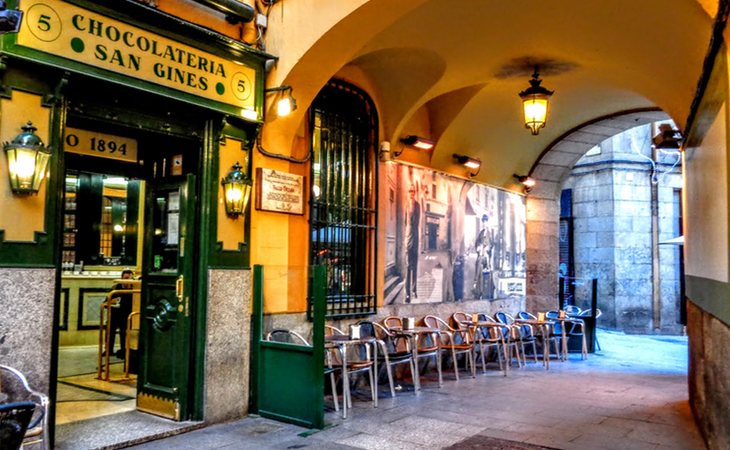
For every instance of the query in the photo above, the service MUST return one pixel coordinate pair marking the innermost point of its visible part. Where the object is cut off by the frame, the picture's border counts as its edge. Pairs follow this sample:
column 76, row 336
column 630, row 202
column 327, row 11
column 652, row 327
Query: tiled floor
column 632, row 395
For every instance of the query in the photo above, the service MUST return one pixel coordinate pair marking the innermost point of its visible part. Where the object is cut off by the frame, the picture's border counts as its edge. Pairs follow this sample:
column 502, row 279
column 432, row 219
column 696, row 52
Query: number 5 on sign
column 99, row 144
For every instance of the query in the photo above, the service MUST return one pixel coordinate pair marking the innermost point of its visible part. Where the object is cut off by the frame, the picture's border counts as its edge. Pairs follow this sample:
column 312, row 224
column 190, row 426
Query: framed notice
column 279, row 191
column 90, row 300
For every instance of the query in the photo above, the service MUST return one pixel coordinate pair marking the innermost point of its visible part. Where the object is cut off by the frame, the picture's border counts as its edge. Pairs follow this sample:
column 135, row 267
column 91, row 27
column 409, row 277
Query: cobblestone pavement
column 631, row 395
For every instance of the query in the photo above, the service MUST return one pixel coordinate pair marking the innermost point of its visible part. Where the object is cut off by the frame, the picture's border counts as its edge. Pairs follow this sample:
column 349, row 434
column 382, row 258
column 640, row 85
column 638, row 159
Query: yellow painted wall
column 706, row 182
column 22, row 215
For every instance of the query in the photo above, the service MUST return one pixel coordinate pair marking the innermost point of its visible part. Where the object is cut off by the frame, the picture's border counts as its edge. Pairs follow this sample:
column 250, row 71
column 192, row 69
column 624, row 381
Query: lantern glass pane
column 41, row 163
column 234, row 198
column 535, row 109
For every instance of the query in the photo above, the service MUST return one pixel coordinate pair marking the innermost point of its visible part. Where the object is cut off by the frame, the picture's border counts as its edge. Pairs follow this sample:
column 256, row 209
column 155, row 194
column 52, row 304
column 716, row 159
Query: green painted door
column 165, row 364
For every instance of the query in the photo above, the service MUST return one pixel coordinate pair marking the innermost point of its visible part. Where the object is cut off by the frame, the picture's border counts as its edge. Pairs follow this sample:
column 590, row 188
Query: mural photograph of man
column 413, row 223
column 484, row 270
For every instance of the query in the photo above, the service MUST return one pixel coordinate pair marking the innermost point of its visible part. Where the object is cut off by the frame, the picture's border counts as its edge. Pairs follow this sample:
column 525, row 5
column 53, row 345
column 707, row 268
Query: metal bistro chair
column 489, row 337
column 512, row 337
column 14, row 385
column 14, row 421
column 559, row 332
column 292, row 337
column 395, row 350
column 359, row 358
column 454, row 341
column 424, row 344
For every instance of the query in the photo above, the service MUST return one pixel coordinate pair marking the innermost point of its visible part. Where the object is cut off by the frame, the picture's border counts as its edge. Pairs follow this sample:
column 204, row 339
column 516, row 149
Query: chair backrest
column 288, row 336
column 392, row 321
column 552, row 314
column 484, row 317
column 458, row 319
column 329, row 330
column 14, row 420
column 572, row 310
column 367, row 329
column 503, row 317
column 526, row 316
column 586, row 313
column 432, row 321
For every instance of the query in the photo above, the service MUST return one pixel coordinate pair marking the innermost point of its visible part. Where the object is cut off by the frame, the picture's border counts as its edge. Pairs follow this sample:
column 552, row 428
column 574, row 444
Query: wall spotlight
column 9, row 19
column 418, row 142
column 385, row 154
column 667, row 137
column 473, row 164
column 287, row 103
column 527, row 182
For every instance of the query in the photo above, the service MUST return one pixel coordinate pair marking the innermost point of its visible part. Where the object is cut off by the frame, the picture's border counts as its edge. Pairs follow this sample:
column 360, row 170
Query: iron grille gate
column 343, row 216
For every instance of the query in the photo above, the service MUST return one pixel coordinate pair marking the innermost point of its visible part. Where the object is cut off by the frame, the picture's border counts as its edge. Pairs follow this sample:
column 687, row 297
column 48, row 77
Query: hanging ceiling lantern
column 237, row 190
column 27, row 161
column 535, row 101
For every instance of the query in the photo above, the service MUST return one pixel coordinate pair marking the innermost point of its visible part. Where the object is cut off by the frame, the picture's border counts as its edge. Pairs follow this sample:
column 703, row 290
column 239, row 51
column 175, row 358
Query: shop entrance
column 128, row 207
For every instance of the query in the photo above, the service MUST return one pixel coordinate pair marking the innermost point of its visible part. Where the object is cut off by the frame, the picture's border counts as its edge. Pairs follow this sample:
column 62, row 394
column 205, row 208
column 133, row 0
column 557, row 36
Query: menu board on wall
column 279, row 191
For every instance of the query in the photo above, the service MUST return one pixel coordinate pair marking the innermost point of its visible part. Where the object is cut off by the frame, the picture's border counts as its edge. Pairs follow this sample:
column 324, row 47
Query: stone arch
column 550, row 170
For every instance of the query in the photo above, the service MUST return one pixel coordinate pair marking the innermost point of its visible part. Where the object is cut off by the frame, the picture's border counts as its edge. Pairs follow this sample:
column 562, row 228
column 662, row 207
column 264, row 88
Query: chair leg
column 390, row 379
column 455, row 362
column 373, row 387
column 414, row 374
column 333, row 385
column 438, row 366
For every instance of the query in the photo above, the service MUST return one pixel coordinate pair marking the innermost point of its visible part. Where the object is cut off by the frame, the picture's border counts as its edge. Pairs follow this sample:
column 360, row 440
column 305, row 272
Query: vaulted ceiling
column 452, row 69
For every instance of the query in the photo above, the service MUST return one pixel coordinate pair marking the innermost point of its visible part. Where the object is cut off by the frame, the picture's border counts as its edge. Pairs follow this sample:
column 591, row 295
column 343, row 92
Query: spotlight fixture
column 418, row 142
column 287, row 103
column 9, row 19
column 667, row 137
column 535, row 102
column 527, row 182
column 473, row 164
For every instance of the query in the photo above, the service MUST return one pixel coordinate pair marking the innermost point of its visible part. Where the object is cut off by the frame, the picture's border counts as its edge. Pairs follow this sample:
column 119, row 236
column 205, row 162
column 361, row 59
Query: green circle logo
column 219, row 88
column 77, row 45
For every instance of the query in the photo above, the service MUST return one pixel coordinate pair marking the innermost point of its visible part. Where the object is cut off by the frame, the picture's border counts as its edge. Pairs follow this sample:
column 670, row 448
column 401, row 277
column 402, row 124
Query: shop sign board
column 68, row 31
column 100, row 144
column 279, row 191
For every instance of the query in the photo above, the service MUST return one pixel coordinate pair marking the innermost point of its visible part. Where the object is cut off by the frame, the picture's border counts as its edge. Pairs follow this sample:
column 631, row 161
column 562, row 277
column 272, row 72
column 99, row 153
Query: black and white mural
column 449, row 239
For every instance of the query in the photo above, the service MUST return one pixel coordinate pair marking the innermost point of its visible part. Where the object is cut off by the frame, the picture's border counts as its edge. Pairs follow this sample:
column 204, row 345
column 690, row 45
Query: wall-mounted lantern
column 237, row 190
column 27, row 161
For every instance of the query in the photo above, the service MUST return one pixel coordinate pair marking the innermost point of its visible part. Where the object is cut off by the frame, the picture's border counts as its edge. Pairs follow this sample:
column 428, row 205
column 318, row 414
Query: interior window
column 101, row 215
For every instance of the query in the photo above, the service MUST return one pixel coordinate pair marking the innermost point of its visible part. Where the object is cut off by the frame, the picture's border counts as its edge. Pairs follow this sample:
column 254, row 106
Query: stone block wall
column 709, row 375
column 26, row 321
column 613, row 241
column 227, row 351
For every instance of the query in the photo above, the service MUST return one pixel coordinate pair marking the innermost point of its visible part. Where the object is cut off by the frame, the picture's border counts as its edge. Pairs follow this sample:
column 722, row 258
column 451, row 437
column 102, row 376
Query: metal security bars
column 343, row 216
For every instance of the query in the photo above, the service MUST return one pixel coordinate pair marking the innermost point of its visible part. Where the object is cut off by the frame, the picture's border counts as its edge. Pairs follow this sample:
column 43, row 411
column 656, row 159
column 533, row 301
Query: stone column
column 542, row 253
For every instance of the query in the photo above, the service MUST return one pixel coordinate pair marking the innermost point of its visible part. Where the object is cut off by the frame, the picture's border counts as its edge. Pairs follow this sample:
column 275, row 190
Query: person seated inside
column 120, row 311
